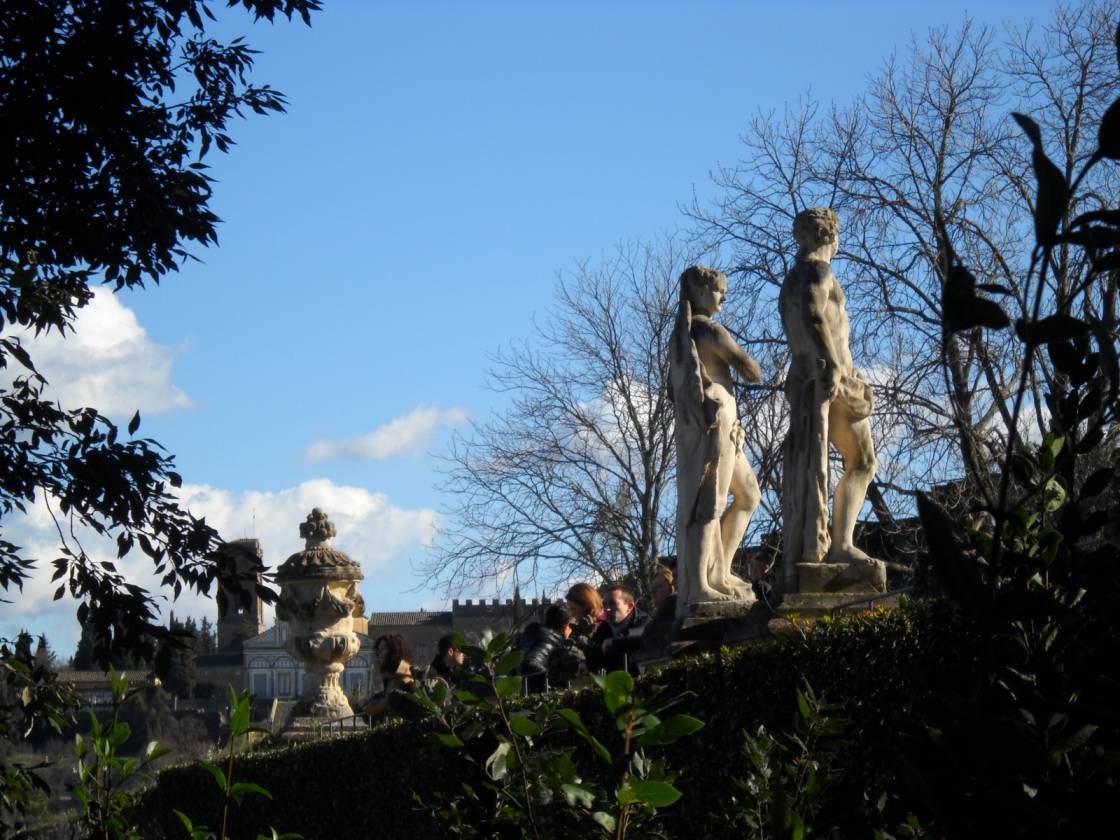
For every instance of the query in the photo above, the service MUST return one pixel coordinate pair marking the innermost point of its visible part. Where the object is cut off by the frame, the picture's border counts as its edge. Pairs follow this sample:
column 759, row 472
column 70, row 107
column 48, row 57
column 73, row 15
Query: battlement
column 495, row 607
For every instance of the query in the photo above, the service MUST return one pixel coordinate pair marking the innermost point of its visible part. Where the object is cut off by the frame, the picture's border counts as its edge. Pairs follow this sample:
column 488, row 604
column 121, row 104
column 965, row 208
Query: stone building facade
column 261, row 664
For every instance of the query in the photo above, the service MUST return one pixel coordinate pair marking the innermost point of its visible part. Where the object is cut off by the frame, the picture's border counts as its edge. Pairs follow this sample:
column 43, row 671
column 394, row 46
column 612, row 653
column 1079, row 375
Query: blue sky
column 439, row 164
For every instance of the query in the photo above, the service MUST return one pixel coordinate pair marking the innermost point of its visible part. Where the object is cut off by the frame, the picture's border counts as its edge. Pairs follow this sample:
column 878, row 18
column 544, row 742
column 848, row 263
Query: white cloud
column 405, row 435
column 107, row 362
column 377, row 534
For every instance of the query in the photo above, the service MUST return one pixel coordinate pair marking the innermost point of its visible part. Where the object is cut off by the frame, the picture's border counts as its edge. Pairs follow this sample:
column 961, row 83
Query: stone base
column 818, row 604
column 708, row 610
column 323, row 706
column 708, row 626
column 829, row 578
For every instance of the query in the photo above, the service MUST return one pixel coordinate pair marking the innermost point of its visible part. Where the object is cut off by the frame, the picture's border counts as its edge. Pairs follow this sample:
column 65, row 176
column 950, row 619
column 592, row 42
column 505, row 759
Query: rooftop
column 395, row 619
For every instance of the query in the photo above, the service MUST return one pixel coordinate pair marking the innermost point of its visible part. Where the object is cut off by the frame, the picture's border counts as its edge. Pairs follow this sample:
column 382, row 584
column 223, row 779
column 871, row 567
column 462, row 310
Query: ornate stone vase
column 318, row 594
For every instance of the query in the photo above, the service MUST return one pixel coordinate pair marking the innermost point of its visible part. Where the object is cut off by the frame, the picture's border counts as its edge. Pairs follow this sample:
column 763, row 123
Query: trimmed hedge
column 885, row 670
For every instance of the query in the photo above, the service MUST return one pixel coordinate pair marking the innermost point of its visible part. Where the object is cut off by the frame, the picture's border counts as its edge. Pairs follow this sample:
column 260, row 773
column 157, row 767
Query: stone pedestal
column 710, row 625
column 863, row 576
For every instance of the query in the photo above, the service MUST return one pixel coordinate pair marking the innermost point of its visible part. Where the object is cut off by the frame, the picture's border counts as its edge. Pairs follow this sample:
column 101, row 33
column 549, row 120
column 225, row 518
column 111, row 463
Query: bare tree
column 930, row 139
column 574, row 478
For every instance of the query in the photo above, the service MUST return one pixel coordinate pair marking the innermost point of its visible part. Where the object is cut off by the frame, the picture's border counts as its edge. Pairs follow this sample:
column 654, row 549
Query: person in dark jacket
column 620, row 635
column 663, row 595
column 551, row 660
column 448, row 662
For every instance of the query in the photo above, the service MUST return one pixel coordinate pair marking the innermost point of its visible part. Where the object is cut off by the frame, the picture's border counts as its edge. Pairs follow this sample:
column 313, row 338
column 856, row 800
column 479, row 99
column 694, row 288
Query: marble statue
column 830, row 401
column 709, row 440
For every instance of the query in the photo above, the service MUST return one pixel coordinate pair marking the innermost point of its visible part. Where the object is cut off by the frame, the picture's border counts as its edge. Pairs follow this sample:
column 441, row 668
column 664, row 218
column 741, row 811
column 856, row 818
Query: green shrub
column 884, row 673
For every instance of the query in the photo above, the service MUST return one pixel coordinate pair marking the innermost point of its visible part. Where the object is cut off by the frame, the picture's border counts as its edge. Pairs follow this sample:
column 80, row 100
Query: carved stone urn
column 318, row 594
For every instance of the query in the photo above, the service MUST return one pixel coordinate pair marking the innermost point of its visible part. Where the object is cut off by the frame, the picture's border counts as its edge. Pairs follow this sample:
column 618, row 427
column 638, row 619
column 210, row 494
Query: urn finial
column 317, row 529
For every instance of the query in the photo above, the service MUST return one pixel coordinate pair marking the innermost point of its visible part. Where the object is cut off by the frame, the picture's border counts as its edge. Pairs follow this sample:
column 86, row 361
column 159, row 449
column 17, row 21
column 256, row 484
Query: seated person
column 552, row 659
column 586, row 605
column 663, row 595
column 449, row 661
column 394, row 661
column 620, row 635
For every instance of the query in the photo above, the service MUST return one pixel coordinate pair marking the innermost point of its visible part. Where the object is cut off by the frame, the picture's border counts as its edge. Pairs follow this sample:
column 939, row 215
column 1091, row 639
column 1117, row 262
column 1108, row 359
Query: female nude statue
column 709, row 438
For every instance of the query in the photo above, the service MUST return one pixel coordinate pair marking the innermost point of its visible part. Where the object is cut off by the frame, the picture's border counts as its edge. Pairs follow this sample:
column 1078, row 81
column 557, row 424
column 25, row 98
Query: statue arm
column 735, row 356
column 814, row 304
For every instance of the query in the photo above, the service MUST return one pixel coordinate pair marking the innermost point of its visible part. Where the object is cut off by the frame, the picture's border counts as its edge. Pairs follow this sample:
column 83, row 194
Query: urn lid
column 318, row 559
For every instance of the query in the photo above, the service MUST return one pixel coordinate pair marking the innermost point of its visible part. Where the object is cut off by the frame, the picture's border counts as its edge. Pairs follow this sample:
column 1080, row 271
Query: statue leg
column 814, row 535
column 733, row 524
column 713, row 586
column 853, row 441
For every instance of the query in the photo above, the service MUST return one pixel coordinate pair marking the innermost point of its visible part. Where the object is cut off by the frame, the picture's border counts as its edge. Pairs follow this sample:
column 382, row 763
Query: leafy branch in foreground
column 106, row 786
column 522, row 768
column 30, row 696
column 107, row 111
column 233, row 793
column 1036, row 745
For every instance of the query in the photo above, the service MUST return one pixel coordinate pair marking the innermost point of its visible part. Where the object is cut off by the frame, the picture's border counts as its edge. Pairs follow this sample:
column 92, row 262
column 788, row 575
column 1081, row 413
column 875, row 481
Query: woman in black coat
column 551, row 659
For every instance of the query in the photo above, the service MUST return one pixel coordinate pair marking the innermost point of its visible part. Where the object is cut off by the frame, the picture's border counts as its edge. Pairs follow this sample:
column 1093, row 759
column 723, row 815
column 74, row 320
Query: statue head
column 704, row 288
column 816, row 227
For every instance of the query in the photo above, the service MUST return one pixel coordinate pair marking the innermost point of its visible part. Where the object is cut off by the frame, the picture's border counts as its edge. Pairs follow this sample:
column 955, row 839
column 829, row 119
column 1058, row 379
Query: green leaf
column 497, row 765
column 803, row 706
column 1051, row 328
column 655, row 794
column 508, row 686
column 1097, row 483
column 509, row 662
column 572, row 718
column 154, row 751
column 617, row 688
column 1077, row 740
column 606, row 820
column 961, row 309
column 499, row 643
column 670, row 730
column 797, row 827
column 119, row 683
column 626, row 795
column 1053, row 191
column 1108, row 135
column 440, row 690
column 447, row 739
column 121, row 732
column 239, row 790
column 239, row 714
column 216, row 771
column 524, row 725
column 575, row 795
column 1055, row 494
column 185, row 820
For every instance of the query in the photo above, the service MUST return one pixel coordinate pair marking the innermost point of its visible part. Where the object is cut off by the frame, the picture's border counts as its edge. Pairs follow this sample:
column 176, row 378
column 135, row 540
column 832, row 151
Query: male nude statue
column 709, row 437
column 829, row 401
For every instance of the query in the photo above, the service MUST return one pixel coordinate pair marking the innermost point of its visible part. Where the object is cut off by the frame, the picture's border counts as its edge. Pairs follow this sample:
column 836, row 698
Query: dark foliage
column 886, row 673
column 175, row 659
column 1031, row 747
column 31, row 698
column 107, row 110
